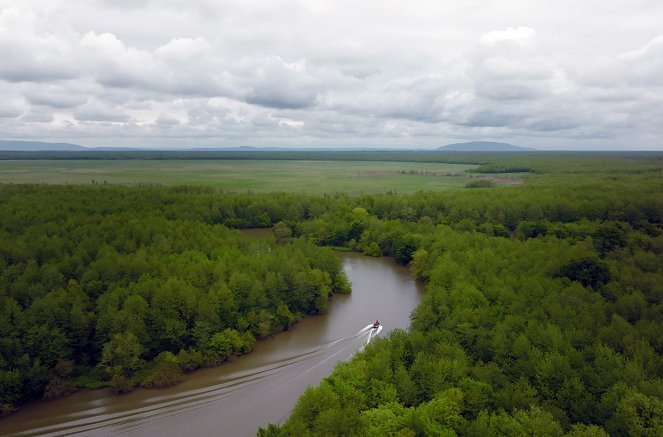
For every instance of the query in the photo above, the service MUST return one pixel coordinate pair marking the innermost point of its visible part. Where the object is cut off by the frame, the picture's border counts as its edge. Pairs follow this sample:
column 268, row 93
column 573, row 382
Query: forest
column 542, row 313
column 127, row 287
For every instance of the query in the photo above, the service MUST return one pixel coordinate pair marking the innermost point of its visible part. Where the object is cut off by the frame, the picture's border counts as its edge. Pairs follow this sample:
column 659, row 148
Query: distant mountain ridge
column 41, row 146
column 38, row 146
column 484, row 146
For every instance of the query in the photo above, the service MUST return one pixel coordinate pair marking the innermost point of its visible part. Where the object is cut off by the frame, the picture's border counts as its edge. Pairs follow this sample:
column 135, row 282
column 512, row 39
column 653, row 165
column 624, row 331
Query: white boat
column 373, row 329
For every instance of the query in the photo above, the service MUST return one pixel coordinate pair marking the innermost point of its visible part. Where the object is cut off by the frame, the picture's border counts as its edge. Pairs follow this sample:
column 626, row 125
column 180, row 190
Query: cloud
column 419, row 98
column 317, row 72
column 276, row 83
column 97, row 111
column 167, row 121
column 113, row 64
column 507, row 66
column 11, row 108
column 55, row 96
column 522, row 36
column 28, row 55
column 485, row 118
column 37, row 117
column 553, row 124
column 643, row 67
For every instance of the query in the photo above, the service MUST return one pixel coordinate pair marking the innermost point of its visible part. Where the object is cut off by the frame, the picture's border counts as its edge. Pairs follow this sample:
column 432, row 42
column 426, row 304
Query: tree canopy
column 542, row 315
column 129, row 286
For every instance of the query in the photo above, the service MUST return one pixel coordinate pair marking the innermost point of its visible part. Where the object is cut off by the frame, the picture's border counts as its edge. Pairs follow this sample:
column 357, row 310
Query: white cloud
column 321, row 72
column 28, row 54
column 55, row 96
column 521, row 36
column 275, row 83
column 35, row 116
column 98, row 111
column 12, row 108
column 113, row 64
column 644, row 67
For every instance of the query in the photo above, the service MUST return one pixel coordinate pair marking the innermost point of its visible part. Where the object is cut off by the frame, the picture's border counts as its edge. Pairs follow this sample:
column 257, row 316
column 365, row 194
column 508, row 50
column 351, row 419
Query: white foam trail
column 366, row 329
column 373, row 333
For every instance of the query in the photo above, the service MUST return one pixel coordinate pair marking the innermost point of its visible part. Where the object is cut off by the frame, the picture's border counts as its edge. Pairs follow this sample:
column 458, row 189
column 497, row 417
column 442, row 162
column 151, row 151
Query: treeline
column 501, row 169
column 567, row 208
column 126, row 287
column 543, row 314
column 287, row 155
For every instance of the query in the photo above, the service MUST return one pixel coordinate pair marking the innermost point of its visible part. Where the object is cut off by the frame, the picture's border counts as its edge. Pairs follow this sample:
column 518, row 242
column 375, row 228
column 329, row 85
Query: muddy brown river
column 237, row 397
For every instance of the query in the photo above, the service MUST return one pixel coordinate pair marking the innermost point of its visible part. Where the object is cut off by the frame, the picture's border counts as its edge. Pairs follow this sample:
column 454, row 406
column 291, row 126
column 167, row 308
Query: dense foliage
column 133, row 286
column 543, row 312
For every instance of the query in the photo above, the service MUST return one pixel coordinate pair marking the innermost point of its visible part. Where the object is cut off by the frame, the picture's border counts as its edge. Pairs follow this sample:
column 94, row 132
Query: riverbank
column 246, row 392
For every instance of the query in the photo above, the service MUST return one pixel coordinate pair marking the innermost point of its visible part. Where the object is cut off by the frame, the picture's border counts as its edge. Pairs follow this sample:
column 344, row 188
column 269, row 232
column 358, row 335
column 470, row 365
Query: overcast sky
column 581, row 74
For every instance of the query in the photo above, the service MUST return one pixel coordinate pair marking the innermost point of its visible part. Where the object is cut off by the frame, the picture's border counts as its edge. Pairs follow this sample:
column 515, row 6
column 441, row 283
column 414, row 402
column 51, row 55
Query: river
column 237, row 397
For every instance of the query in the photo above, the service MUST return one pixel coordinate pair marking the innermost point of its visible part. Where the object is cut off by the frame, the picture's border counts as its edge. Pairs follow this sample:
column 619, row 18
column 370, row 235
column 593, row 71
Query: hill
column 484, row 146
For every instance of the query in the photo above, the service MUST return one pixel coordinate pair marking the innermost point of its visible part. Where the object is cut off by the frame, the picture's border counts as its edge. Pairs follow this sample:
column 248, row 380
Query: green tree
column 386, row 419
column 220, row 346
column 282, row 233
column 166, row 371
column 120, row 358
column 589, row 272
column 639, row 415
column 10, row 390
column 608, row 238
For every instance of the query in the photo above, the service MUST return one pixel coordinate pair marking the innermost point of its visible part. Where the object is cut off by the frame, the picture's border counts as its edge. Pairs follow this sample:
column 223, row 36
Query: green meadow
column 303, row 176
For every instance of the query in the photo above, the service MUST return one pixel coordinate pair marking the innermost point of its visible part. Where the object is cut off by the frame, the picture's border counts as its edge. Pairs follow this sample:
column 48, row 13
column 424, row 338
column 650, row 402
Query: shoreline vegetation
column 542, row 313
column 126, row 287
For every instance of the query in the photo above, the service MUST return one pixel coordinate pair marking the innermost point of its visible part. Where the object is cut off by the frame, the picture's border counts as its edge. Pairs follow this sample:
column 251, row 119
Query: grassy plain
column 243, row 175
column 325, row 172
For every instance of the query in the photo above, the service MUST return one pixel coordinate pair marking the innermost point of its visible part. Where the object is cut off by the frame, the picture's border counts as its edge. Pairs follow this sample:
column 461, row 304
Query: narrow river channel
column 236, row 398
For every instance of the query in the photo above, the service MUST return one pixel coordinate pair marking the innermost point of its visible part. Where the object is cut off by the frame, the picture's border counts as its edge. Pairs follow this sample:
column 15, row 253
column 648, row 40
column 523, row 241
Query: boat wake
column 368, row 333
column 230, row 394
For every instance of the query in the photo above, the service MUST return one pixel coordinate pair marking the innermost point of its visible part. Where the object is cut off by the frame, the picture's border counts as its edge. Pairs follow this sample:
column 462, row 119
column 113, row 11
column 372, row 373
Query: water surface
column 237, row 397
